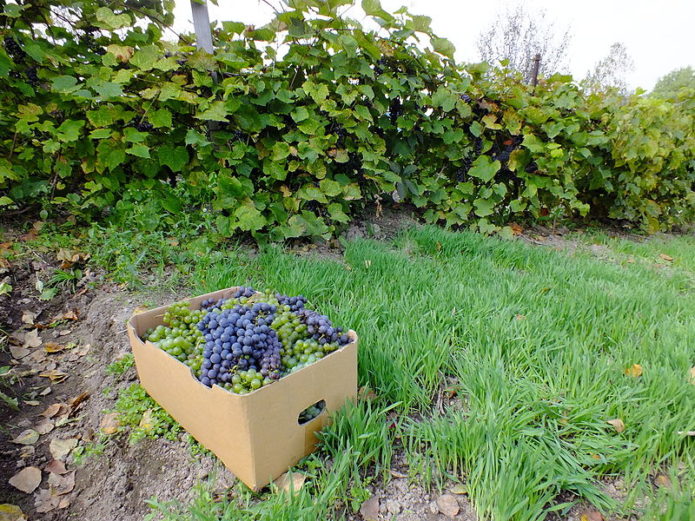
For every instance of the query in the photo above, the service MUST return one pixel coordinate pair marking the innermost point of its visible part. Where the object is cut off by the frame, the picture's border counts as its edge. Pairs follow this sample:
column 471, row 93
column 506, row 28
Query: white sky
column 658, row 34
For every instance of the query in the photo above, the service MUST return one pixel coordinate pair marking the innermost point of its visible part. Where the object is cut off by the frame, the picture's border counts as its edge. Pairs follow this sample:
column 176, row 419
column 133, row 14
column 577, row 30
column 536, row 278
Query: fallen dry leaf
column 27, row 437
column 634, row 371
column 33, row 403
column 75, row 402
column 61, row 448
column 27, row 451
column 27, row 480
column 109, row 423
column 366, row 393
column 516, row 229
column 617, row 424
column 64, row 503
column 10, row 512
column 369, row 510
column 290, row 482
column 72, row 314
column 663, row 481
column 147, row 421
column 45, row 426
column 18, row 352
column 32, row 338
column 55, row 466
column 691, row 375
column 520, row 317
column 54, row 375
column 52, row 410
column 52, row 347
column 62, row 484
column 45, row 501
column 686, row 433
column 591, row 515
column 459, row 489
column 448, row 505
column 666, row 257
column 397, row 474
column 28, row 317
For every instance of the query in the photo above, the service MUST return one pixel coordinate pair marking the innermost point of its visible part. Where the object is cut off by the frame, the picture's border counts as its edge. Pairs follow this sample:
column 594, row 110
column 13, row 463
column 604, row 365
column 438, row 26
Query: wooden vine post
column 201, row 24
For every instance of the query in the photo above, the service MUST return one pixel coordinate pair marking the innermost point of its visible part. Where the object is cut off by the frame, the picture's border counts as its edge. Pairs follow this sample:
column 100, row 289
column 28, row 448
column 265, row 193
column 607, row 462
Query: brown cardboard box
column 256, row 435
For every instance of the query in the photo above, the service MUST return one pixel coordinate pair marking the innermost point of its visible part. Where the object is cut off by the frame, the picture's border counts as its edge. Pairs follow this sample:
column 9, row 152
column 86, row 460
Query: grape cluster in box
column 247, row 341
column 252, row 375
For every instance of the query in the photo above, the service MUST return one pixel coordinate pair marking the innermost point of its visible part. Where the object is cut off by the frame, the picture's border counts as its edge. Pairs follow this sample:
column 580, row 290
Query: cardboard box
column 256, row 435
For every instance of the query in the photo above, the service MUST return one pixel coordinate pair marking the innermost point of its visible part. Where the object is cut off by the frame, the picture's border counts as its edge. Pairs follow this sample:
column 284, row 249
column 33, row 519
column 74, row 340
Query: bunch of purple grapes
column 321, row 329
column 294, row 303
column 240, row 339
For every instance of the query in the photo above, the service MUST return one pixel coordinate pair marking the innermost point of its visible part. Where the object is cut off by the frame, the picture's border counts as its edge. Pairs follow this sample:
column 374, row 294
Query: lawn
column 496, row 364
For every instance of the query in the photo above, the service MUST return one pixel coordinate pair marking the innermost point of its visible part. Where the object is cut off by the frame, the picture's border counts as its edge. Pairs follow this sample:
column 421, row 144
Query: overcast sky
column 658, row 34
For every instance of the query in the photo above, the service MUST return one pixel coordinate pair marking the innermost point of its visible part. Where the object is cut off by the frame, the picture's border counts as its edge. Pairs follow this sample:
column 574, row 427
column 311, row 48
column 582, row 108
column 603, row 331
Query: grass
column 533, row 342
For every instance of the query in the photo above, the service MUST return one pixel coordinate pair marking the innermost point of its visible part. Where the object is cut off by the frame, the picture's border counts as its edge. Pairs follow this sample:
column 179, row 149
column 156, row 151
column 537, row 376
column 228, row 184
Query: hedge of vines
column 310, row 118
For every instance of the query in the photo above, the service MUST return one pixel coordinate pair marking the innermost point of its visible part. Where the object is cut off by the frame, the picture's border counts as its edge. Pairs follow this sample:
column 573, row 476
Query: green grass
column 534, row 341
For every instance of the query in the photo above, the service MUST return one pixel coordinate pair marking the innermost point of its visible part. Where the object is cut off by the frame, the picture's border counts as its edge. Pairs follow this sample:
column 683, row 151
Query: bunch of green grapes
column 305, row 352
column 180, row 337
column 289, row 327
column 243, row 382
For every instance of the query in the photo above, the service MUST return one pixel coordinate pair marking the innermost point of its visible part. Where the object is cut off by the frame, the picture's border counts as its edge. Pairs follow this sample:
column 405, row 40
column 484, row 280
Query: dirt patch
column 115, row 484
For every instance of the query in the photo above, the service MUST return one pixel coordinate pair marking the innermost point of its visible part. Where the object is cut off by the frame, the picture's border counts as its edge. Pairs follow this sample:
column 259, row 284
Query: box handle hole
column 311, row 412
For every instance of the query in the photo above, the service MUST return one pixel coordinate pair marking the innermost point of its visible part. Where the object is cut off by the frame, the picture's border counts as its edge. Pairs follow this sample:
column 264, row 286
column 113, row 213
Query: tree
column 517, row 36
column 671, row 84
column 610, row 71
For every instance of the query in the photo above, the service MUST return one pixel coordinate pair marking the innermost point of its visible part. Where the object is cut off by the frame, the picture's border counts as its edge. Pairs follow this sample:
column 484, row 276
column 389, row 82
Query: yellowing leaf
column 634, row 371
column 54, row 375
column 692, row 375
column 665, row 257
column 109, row 423
column 617, row 424
column 27, row 437
column 147, row 421
column 10, row 512
column 123, row 53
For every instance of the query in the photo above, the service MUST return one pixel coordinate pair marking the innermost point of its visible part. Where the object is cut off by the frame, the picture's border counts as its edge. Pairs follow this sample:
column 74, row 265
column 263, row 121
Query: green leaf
column 444, row 46
column 146, row 57
column 69, row 130
column 195, row 138
column 110, row 154
column 336, row 212
column 134, row 136
column 107, row 89
column 5, row 201
column 160, row 118
column 249, row 218
column 444, row 98
column 330, row 188
column 280, row 151
column 274, row 169
column 484, row 169
column 215, row 112
column 173, row 157
column 310, row 192
column 299, row 114
column 139, row 150
column 111, row 20
column 363, row 112
column 483, row 207
column 64, row 84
